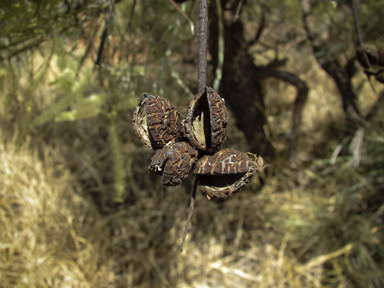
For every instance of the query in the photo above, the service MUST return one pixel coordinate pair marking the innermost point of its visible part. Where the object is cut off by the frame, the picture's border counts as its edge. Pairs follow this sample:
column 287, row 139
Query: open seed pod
column 225, row 173
column 174, row 162
column 156, row 121
column 206, row 121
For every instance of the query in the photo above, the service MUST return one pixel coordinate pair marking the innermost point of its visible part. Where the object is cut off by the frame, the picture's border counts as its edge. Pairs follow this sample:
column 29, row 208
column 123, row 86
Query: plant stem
column 203, row 36
column 190, row 213
column 105, row 33
column 220, row 52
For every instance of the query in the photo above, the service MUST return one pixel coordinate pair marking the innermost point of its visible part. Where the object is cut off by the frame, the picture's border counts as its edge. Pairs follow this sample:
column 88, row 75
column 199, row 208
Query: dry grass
column 53, row 237
column 45, row 225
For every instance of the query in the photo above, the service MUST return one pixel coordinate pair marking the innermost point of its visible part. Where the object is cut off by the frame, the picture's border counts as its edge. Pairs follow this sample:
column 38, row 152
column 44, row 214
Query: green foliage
column 371, row 21
column 74, row 95
column 27, row 24
column 119, row 179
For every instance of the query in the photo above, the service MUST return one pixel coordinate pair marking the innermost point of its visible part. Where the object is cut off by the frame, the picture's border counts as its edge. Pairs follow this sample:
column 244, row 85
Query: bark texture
column 240, row 84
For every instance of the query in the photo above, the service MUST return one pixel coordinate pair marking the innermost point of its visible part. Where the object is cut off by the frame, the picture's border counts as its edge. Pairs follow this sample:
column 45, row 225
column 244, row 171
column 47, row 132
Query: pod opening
column 201, row 122
column 220, row 180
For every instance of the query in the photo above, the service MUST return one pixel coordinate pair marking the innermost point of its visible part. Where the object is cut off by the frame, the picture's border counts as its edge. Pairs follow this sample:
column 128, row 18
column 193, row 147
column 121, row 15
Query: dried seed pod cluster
column 220, row 174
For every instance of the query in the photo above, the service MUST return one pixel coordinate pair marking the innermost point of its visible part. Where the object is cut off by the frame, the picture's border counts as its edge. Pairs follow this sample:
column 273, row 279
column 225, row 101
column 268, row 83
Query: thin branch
column 166, row 56
column 262, row 25
column 238, row 10
column 202, row 82
column 203, row 39
column 268, row 70
column 132, row 14
column 104, row 35
column 220, row 44
column 29, row 46
column 357, row 23
column 192, row 26
column 191, row 207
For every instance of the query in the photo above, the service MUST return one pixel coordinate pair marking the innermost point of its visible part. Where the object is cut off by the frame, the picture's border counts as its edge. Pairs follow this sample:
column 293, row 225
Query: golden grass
column 53, row 237
column 45, row 225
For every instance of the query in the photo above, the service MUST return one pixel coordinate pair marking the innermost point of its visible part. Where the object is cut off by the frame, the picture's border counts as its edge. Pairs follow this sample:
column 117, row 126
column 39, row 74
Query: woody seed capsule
column 174, row 162
column 206, row 121
column 225, row 173
column 156, row 121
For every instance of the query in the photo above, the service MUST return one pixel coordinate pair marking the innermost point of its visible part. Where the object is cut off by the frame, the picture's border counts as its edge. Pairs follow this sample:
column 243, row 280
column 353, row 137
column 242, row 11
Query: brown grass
column 53, row 237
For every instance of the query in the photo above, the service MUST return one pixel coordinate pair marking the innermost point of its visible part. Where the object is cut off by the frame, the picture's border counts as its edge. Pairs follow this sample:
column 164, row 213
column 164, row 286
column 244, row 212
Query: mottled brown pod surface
column 206, row 121
column 156, row 121
column 174, row 163
column 225, row 173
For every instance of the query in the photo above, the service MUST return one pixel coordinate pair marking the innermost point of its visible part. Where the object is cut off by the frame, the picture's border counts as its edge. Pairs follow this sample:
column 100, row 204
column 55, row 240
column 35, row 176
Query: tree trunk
column 240, row 84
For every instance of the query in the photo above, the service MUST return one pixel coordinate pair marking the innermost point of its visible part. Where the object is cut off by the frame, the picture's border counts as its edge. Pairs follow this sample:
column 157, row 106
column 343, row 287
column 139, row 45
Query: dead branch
column 104, row 35
column 262, row 25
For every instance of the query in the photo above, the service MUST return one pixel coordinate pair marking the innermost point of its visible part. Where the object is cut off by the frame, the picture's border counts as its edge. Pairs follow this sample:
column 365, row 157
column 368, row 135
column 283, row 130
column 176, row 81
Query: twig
column 185, row 16
column 238, row 10
column 262, row 24
column 132, row 14
column 357, row 23
column 220, row 44
column 168, row 52
column 203, row 39
column 202, row 82
column 191, row 207
column 104, row 35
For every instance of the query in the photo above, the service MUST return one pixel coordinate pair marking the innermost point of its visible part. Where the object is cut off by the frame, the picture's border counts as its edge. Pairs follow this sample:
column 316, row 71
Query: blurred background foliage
column 78, row 207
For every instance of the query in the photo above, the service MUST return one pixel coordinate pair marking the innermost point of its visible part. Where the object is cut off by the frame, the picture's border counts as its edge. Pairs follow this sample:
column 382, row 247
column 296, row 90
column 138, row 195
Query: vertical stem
column 104, row 35
column 119, row 173
column 203, row 36
column 357, row 23
column 191, row 207
column 166, row 56
column 202, row 82
column 220, row 52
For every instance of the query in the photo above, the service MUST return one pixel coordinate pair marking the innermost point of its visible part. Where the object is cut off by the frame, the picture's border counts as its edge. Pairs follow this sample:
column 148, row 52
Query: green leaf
column 85, row 108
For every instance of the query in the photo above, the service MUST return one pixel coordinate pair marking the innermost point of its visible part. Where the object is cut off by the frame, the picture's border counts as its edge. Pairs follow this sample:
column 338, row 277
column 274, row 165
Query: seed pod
column 174, row 162
column 206, row 121
column 156, row 121
column 225, row 173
